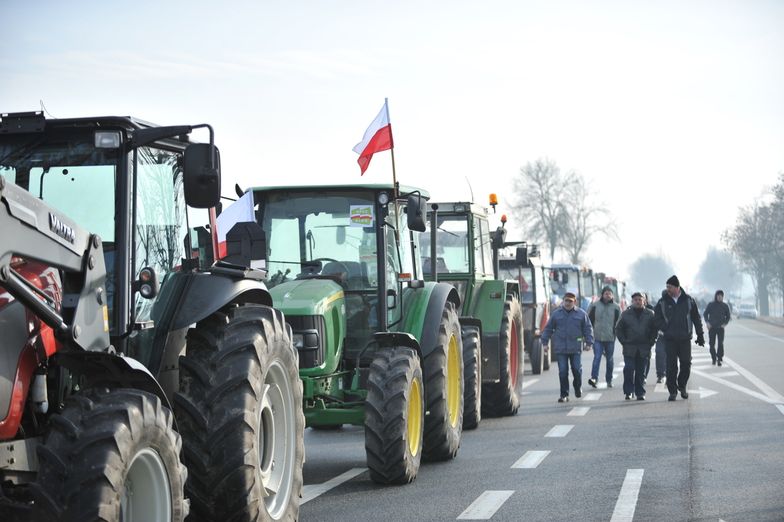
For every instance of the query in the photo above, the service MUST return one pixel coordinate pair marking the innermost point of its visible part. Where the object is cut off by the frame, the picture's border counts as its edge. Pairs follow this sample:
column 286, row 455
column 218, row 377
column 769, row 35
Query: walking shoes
column 563, row 399
column 592, row 382
column 672, row 396
column 684, row 393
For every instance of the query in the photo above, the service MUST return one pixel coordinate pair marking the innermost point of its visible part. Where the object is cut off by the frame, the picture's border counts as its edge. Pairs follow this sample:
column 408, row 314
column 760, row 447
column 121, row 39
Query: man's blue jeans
column 633, row 375
column 564, row 360
column 607, row 348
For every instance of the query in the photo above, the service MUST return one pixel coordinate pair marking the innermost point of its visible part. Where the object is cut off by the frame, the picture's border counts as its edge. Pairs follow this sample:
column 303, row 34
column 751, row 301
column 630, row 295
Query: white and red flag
column 378, row 137
column 238, row 212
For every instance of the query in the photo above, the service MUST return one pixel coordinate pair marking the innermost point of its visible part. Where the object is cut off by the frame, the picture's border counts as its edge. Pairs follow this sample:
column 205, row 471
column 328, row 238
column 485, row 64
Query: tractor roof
column 24, row 121
column 459, row 207
column 404, row 189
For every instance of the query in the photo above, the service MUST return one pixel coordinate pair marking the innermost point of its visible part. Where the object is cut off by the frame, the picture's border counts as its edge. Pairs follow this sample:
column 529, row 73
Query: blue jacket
column 568, row 330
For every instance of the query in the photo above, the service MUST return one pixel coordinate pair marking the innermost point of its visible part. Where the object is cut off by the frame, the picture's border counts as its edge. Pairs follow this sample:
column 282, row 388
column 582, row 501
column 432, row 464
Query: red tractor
column 119, row 348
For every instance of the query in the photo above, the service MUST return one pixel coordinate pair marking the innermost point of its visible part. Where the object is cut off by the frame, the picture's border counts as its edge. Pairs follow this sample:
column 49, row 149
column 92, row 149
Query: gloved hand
column 700, row 340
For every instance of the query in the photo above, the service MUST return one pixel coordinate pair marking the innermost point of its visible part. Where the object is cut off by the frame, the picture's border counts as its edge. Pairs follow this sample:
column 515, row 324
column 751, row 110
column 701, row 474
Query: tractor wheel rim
column 147, row 492
column 276, row 440
column 414, row 418
column 453, row 376
column 513, row 353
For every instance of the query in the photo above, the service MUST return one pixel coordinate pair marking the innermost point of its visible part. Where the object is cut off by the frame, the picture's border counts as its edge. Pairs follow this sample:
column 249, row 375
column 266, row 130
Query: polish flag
column 238, row 212
column 377, row 137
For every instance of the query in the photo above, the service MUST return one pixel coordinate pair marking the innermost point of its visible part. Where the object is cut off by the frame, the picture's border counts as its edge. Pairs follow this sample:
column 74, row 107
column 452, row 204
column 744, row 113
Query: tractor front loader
column 139, row 380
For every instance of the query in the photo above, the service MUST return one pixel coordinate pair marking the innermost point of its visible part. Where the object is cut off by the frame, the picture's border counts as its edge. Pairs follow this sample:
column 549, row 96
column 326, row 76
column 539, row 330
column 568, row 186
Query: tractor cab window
column 160, row 222
column 67, row 172
column 483, row 247
column 452, row 254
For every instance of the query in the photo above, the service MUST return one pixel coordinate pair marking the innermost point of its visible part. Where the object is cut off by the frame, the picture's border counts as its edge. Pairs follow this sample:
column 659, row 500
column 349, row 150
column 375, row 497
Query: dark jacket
column 568, row 330
column 717, row 314
column 676, row 320
column 636, row 331
column 603, row 316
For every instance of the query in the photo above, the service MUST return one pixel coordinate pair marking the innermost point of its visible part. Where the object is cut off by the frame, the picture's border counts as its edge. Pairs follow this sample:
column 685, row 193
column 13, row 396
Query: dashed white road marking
column 485, row 506
column 730, row 373
column 314, row 490
column 529, row 382
column 560, row 430
column 592, row 396
column 700, row 367
column 780, row 408
column 578, row 411
column 627, row 499
column 660, row 387
column 530, row 460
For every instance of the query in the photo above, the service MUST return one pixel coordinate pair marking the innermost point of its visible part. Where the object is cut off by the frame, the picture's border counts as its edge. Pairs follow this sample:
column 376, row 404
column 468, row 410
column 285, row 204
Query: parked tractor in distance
column 104, row 333
column 526, row 267
column 465, row 250
column 379, row 347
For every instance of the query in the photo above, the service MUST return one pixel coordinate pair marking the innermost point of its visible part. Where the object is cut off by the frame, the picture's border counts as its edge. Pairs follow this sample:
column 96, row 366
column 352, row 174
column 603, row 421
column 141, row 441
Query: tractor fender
column 103, row 369
column 393, row 339
column 206, row 293
column 439, row 296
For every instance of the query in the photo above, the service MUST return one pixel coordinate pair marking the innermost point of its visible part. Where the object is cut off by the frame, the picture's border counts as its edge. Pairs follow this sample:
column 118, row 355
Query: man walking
column 717, row 315
column 603, row 313
column 636, row 331
column 568, row 327
column 676, row 316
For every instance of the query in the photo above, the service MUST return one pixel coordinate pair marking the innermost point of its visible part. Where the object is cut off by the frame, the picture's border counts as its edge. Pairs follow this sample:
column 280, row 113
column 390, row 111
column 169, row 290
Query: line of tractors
column 142, row 379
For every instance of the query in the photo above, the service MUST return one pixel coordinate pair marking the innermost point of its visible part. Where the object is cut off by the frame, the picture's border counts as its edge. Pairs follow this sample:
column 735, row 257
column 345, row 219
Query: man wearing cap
column 636, row 332
column 717, row 315
column 676, row 315
column 603, row 314
column 568, row 327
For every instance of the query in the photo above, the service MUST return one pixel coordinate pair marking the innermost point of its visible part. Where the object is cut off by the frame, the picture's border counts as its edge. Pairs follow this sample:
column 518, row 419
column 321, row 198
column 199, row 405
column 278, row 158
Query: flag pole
column 395, row 190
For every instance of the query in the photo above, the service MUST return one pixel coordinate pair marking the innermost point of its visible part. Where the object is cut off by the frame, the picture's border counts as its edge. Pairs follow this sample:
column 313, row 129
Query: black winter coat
column 717, row 313
column 636, row 331
column 676, row 320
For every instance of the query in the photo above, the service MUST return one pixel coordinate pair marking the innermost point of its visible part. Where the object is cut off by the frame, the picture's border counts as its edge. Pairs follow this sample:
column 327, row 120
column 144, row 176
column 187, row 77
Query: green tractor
column 378, row 346
column 465, row 253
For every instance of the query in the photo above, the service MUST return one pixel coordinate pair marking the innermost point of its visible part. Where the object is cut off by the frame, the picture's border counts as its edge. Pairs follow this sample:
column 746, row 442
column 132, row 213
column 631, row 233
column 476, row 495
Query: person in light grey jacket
column 603, row 313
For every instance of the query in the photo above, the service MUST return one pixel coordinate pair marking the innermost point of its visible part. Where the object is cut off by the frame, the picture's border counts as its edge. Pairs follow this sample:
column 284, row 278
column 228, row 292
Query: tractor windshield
column 509, row 270
column 312, row 233
column 452, row 255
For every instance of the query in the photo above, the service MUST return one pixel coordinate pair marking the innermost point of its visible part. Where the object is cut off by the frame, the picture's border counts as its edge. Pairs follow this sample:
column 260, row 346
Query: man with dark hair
column 568, row 327
column 717, row 315
column 676, row 316
column 636, row 332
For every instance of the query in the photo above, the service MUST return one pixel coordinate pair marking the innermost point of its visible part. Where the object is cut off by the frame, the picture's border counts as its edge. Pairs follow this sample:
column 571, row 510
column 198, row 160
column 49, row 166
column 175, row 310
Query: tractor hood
column 306, row 296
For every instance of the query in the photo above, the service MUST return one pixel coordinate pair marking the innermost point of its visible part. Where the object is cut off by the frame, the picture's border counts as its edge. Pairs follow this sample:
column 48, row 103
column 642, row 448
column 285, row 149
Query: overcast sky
column 674, row 110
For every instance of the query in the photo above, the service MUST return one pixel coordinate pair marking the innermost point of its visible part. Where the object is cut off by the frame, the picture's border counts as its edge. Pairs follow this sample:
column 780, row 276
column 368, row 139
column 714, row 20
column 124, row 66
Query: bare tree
column 583, row 219
column 719, row 270
column 649, row 273
column 539, row 206
column 753, row 241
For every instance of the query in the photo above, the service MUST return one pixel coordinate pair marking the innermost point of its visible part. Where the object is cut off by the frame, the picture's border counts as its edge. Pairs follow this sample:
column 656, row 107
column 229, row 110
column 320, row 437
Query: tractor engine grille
column 309, row 339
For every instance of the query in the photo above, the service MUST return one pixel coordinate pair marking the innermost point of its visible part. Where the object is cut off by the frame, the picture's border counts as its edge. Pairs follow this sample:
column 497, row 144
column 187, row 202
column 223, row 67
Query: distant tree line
column 559, row 209
column 757, row 241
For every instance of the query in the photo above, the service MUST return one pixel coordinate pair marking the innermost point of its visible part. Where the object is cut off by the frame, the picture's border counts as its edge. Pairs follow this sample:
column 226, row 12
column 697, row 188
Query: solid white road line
column 529, row 382
column 485, row 506
column 530, row 460
column 780, row 408
column 578, row 411
column 314, row 490
column 756, row 381
column 627, row 499
column 738, row 387
column 560, row 430
column 779, row 339
column 592, row 396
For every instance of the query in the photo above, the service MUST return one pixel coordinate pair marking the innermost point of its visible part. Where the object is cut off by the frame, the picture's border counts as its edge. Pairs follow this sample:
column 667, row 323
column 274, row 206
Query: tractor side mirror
column 521, row 256
column 416, row 212
column 202, row 177
column 499, row 238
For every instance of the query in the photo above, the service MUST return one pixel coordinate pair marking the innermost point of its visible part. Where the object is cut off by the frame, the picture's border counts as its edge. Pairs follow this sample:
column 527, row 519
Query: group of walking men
column 672, row 322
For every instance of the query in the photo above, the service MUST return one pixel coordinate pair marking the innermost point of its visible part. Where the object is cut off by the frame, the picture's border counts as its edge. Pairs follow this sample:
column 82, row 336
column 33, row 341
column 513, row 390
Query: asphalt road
column 717, row 456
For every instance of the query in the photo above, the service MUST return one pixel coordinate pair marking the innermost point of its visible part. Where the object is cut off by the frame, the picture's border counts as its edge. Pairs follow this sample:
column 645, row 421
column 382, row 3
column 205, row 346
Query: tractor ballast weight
column 463, row 251
column 125, row 327
column 379, row 347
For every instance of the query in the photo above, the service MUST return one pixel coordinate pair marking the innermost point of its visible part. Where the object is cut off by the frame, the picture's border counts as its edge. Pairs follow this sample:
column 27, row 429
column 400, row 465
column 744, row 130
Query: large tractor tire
column 111, row 455
column 394, row 416
column 472, row 376
column 502, row 398
column 537, row 356
column 444, row 387
column 239, row 410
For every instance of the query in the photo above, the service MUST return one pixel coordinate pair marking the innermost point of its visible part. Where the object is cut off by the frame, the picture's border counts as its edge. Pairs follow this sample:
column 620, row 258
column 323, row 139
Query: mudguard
column 424, row 326
column 208, row 292
column 393, row 339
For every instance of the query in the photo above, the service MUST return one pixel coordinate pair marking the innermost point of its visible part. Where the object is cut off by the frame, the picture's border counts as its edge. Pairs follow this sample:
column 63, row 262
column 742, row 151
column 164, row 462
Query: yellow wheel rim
column 414, row 429
column 453, row 376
